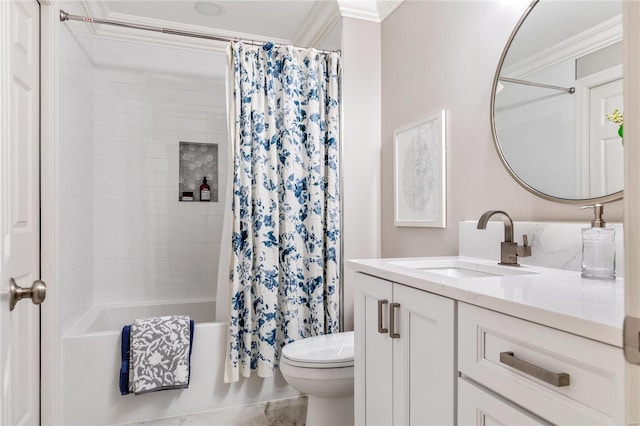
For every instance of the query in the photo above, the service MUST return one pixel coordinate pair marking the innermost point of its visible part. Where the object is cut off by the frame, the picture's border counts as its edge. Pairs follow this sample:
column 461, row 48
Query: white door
column 19, row 209
column 373, row 346
column 606, row 151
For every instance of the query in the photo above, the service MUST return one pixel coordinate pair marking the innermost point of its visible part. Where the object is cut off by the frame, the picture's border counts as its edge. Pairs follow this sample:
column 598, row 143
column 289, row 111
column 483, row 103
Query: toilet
column 322, row 368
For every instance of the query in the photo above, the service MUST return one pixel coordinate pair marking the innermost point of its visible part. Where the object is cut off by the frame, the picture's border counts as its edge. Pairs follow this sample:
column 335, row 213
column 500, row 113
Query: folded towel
column 156, row 354
column 124, row 355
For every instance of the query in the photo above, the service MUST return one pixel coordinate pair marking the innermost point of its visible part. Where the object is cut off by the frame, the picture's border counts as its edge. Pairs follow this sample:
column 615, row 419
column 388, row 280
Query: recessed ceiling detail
column 208, row 8
column 277, row 20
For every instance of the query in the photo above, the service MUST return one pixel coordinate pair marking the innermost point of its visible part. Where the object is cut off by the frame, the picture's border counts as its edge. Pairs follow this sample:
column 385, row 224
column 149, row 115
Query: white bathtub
column 110, row 318
column 91, row 365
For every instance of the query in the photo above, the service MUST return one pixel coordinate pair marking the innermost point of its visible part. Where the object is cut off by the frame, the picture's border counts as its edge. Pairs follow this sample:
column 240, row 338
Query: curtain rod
column 570, row 90
column 64, row 16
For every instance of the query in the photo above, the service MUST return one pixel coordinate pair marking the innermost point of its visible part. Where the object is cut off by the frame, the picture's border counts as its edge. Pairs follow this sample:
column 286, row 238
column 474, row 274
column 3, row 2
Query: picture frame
column 419, row 158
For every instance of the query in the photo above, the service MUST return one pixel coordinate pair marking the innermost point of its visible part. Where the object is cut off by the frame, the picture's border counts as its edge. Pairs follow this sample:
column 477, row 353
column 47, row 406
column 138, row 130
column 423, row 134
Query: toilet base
column 337, row 411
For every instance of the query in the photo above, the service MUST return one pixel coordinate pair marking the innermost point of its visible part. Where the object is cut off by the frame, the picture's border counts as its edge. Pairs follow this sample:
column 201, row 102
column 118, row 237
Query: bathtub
column 91, row 365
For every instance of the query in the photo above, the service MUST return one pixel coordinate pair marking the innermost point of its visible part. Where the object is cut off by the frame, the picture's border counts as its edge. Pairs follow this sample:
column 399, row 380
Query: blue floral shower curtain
column 285, row 135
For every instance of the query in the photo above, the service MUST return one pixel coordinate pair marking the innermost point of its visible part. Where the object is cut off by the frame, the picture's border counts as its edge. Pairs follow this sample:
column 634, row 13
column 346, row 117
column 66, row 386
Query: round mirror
column 554, row 101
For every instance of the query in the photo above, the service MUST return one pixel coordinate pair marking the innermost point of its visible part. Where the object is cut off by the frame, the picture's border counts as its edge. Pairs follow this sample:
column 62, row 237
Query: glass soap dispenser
column 598, row 247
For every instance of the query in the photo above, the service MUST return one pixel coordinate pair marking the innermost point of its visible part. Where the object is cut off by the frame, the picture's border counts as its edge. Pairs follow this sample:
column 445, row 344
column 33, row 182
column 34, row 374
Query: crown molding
column 159, row 39
column 368, row 10
column 589, row 41
column 320, row 20
column 386, row 8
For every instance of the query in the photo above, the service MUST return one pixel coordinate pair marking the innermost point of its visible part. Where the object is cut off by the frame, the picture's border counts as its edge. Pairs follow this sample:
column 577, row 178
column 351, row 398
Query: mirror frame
column 604, row 199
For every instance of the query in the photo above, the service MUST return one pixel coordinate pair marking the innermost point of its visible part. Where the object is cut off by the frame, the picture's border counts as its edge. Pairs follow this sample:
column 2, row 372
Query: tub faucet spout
column 509, row 250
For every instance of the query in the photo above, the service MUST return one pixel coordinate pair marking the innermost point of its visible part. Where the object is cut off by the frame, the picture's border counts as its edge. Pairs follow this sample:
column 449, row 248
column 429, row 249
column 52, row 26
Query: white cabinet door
column 477, row 407
column 373, row 351
column 407, row 379
column 423, row 358
column 19, row 209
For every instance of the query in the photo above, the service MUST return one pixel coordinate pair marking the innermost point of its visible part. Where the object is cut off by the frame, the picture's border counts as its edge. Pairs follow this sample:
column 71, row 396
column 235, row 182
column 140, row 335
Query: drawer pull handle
column 555, row 379
column 392, row 321
column 380, row 328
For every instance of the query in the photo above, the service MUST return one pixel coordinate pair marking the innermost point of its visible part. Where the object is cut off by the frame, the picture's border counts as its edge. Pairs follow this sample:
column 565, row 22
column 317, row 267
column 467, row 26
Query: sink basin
column 460, row 268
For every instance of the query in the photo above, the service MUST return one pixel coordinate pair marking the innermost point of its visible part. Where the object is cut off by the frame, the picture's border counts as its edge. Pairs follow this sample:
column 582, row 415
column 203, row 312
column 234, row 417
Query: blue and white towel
column 156, row 354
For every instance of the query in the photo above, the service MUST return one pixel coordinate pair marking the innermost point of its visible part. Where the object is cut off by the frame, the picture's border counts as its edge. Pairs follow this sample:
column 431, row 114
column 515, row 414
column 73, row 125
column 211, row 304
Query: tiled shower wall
column 148, row 245
column 76, row 176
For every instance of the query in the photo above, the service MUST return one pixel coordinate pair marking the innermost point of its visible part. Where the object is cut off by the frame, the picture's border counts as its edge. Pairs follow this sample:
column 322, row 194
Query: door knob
column 37, row 293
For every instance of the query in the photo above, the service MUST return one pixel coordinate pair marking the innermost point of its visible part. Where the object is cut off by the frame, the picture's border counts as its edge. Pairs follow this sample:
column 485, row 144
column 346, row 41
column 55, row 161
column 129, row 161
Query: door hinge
column 631, row 340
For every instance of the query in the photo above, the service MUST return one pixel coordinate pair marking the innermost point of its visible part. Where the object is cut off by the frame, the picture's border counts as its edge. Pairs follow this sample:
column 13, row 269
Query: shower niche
column 196, row 162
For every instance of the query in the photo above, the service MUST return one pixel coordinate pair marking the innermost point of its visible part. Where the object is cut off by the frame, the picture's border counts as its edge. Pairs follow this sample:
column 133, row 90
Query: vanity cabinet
column 557, row 376
column 405, row 355
column 480, row 407
column 422, row 358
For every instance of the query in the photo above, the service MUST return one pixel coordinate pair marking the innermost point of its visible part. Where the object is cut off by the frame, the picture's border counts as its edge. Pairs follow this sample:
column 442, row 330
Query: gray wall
column 443, row 54
column 361, row 147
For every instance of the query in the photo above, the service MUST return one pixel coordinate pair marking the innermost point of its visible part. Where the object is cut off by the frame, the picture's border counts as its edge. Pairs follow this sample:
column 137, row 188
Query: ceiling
column 300, row 22
column 264, row 19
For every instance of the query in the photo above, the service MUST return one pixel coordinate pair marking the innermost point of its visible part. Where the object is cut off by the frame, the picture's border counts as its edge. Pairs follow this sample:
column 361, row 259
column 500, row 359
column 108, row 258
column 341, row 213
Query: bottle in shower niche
column 205, row 191
column 598, row 247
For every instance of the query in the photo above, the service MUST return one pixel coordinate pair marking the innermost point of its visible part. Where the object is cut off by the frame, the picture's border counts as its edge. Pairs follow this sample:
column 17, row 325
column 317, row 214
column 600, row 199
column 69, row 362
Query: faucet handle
column 525, row 250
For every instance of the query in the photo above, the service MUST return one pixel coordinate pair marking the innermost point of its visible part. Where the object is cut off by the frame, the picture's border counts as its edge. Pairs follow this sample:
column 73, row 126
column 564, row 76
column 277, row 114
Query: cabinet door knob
column 392, row 321
column 555, row 379
column 380, row 304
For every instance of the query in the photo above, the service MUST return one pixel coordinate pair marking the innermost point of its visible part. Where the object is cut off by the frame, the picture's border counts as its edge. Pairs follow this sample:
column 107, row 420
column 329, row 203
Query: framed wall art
column 420, row 173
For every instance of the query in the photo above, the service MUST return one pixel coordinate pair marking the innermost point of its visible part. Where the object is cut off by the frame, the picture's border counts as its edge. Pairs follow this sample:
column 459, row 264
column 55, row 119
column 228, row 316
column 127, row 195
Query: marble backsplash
column 553, row 244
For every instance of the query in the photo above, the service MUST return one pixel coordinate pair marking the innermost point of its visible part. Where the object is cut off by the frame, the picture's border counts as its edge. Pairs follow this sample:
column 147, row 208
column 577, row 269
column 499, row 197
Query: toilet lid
column 326, row 351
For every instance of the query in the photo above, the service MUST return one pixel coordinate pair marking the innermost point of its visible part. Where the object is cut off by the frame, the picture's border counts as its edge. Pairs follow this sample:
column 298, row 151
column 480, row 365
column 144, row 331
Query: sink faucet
column 509, row 250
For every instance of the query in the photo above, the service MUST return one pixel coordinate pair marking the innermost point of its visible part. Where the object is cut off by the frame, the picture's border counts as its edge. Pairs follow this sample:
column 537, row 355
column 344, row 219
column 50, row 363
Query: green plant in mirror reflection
column 617, row 117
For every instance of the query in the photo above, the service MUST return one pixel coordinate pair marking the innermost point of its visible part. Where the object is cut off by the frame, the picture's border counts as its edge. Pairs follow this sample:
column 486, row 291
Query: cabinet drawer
column 477, row 407
column 595, row 393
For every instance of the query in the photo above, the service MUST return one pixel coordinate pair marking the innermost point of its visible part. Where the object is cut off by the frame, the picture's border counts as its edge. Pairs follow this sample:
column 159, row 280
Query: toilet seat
column 326, row 351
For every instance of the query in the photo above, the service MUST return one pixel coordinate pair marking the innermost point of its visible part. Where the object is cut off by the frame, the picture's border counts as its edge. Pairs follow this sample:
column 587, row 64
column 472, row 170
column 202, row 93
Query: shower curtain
column 285, row 117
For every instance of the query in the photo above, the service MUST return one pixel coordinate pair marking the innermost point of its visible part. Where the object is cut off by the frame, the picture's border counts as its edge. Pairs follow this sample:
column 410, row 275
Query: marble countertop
column 553, row 297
